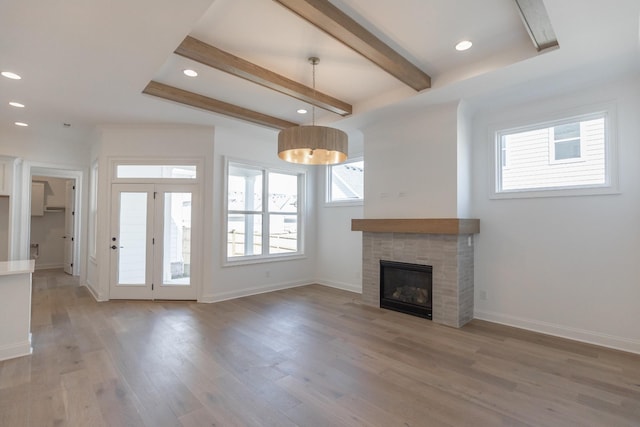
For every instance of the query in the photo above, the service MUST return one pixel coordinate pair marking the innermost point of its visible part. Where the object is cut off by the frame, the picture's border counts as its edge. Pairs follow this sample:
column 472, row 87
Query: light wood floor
column 310, row 356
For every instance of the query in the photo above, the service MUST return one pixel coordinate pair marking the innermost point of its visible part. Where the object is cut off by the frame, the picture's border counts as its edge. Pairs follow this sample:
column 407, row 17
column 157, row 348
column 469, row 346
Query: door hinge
column 153, row 240
column 73, row 212
column 154, row 195
column 71, row 264
column 152, row 286
column 72, row 239
column 74, row 187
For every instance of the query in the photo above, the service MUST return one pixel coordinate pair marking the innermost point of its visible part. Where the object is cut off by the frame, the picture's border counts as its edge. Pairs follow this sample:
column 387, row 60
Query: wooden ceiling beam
column 336, row 23
column 182, row 96
column 206, row 54
column 536, row 20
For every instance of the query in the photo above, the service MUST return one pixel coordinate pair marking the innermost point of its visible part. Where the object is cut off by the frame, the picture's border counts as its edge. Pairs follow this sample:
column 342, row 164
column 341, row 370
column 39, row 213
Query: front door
column 151, row 241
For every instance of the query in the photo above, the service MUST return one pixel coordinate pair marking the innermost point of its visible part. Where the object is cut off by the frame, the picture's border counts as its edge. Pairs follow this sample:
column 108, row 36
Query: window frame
column 496, row 153
column 553, row 141
column 329, row 185
column 264, row 213
column 157, row 161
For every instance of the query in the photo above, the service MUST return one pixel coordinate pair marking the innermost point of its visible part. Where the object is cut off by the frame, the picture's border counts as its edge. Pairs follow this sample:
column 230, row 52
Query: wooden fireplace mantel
column 418, row 225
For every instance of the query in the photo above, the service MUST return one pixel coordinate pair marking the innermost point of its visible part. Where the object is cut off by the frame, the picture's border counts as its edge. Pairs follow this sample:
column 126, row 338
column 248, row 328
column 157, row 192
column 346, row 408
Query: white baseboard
column 591, row 337
column 48, row 266
column 94, row 294
column 340, row 285
column 20, row 349
column 224, row 296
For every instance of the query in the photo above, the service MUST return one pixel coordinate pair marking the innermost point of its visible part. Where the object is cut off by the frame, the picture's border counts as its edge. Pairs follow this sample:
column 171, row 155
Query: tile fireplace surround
column 444, row 243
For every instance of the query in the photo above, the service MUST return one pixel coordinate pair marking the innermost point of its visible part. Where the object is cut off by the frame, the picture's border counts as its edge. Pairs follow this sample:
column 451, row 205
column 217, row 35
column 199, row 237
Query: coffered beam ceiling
column 336, row 23
column 536, row 20
column 175, row 94
column 206, row 54
column 323, row 15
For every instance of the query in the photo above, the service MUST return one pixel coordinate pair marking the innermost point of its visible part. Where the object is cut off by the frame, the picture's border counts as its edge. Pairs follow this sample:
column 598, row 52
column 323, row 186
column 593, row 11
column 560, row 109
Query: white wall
column 562, row 265
column 339, row 259
column 259, row 145
column 411, row 165
column 70, row 149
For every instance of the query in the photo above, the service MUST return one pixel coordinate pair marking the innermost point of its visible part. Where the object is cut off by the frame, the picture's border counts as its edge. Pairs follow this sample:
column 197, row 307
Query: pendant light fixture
column 313, row 145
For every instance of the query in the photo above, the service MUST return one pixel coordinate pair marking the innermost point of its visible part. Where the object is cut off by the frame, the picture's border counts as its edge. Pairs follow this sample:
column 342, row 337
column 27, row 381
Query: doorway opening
column 55, row 230
column 52, row 228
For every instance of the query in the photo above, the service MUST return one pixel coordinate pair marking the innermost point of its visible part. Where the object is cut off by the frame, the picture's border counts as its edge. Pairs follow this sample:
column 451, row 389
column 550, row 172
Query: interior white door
column 151, row 242
column 69, row 217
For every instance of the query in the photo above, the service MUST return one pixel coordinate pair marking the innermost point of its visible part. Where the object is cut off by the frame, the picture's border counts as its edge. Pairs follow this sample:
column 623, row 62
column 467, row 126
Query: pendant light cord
column 314, row 61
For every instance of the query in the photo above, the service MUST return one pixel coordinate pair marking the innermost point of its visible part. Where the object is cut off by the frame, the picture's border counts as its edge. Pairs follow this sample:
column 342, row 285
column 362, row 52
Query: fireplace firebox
column 407, row 288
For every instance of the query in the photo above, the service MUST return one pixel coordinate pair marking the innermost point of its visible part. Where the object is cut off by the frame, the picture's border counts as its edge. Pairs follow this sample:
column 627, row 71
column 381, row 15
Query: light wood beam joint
column 211, row 56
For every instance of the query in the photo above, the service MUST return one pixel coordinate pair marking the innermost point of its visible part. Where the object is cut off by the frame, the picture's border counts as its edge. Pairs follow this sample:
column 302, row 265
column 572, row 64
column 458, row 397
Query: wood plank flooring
column 309, row 356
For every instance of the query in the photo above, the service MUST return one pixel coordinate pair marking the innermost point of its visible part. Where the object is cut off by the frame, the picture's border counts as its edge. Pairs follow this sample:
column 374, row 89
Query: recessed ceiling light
column 21, row 124
column 302, row 111
column 464, row 45
column 16, row 104
column 190, row 73
column 10, row 75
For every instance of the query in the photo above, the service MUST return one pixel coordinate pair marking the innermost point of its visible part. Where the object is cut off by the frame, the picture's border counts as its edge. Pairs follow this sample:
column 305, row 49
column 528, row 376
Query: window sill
column 344, row 203
column 559, row 192
column 263, row 260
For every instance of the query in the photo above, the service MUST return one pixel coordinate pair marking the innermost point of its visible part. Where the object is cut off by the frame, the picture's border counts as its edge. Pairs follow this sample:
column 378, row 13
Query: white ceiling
column 86, row 62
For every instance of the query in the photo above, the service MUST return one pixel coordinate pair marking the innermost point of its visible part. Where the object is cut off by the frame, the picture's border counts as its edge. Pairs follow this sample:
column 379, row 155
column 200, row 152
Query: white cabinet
column 37, row 198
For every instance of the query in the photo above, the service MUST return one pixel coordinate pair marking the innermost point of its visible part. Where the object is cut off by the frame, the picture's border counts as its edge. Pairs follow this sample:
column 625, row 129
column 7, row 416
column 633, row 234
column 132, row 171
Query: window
column 156, row 171
column 263, row 212
column 562, row 157
column 345, row 182
column 566, row 144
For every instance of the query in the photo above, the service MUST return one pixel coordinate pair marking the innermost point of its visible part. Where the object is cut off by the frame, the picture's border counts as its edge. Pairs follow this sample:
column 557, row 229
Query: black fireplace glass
column 406, row 287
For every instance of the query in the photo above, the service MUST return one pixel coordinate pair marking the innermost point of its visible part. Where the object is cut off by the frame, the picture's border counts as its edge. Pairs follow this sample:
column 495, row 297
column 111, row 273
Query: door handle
column 114, row 247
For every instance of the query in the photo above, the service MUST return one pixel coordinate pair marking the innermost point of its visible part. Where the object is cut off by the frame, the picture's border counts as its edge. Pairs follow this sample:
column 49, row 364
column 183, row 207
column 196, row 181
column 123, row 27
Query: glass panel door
column 176, row 233
column 152, row 239
column 176, row 268
column 131, row 241
column 132, row 250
